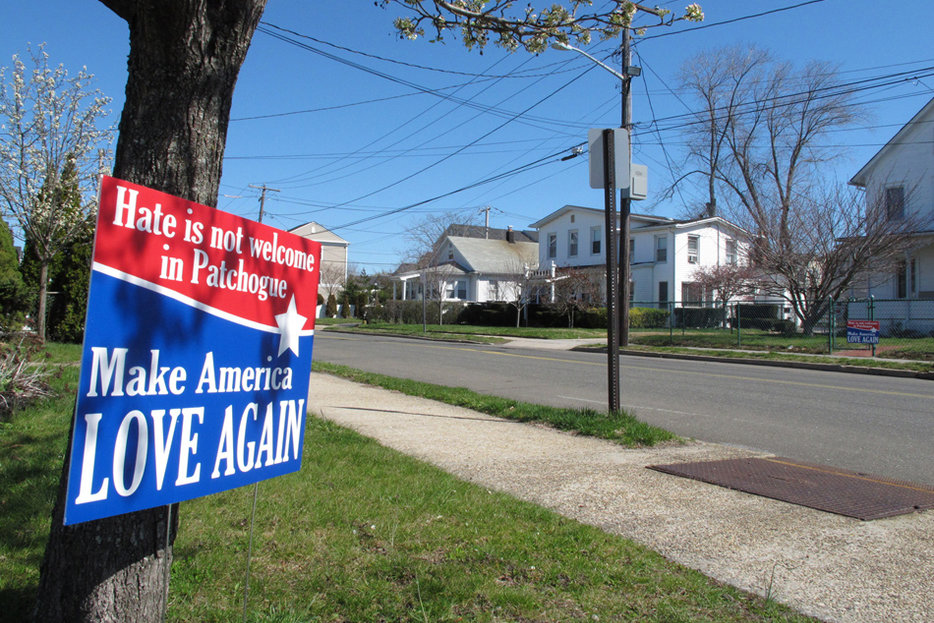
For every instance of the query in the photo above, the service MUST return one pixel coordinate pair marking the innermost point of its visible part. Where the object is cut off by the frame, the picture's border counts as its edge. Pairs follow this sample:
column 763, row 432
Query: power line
column 490, row 132
column 521, row 169
column 790, row 99
column 407, row 83
column 395, row 61
column 730, row 21
column 424, row 127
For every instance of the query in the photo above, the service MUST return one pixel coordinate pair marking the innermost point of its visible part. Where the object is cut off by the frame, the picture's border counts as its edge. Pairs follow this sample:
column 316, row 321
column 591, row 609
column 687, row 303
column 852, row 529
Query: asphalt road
column 873, row 424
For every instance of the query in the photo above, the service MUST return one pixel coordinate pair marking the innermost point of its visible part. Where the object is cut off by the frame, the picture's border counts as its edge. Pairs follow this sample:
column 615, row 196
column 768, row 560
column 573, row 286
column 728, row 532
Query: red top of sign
column 210, row 258
column 864, row 325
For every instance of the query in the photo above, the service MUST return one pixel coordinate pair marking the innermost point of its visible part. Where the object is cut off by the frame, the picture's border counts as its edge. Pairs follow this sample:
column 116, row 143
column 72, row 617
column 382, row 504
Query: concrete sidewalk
column 824, row 565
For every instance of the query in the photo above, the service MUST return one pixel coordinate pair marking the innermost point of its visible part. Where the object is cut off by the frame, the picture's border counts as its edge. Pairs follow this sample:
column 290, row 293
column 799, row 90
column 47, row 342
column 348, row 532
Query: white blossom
column 50, row 121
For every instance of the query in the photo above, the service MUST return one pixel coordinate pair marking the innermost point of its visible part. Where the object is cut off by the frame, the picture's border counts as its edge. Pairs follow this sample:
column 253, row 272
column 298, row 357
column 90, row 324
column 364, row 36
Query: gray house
column 472, row 264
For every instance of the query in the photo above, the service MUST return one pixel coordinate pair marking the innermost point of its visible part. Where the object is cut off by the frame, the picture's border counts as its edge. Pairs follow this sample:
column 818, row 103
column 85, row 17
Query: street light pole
column 625, row 269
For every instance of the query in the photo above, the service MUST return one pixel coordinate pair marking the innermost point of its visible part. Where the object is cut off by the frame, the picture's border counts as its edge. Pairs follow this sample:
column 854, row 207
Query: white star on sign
column 290, row 328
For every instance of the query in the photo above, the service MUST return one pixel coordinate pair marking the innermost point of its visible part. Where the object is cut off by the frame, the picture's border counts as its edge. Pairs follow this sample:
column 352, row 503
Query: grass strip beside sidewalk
column 619, row 427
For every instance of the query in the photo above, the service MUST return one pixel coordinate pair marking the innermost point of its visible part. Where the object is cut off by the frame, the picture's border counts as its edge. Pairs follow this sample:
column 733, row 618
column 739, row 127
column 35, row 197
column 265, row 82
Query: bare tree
column 425, row 235
column 575, row 292
column 51, row 153
column 832, row 240
column 757, row 141
column 727, row 281
column 724, row 83
column 516, row 284
column 332, row 277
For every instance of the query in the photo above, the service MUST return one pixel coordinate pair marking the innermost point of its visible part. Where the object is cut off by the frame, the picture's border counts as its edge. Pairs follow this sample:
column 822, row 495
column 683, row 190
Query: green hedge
column 648, row 318
column 410, row 312
column 699, row 317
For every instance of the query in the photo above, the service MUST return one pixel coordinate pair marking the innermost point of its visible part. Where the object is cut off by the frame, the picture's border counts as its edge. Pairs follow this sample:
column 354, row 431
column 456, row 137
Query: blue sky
column 368, row 134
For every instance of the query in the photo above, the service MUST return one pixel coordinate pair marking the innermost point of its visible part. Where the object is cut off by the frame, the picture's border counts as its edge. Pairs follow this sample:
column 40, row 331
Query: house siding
column 906, row 161
column 647, row 272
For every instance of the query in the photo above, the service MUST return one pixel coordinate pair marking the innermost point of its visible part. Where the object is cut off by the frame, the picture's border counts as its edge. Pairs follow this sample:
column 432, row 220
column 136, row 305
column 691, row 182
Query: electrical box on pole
column 623, row 157
column 639, row 188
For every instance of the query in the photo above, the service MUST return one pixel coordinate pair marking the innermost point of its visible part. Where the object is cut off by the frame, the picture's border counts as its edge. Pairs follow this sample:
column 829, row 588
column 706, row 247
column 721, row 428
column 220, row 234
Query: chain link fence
column 887, row 328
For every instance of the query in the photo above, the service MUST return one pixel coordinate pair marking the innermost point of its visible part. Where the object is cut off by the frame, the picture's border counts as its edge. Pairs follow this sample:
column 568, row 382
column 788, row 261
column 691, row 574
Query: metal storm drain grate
column 816, row 486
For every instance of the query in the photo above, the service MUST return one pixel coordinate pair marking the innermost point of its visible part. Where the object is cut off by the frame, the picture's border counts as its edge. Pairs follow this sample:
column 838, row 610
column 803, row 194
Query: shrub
column 331, row 307
column 648, row 318
column 487, row 315
column 699, row 317
column 360, row 310
column 21, row 379
column 593, row 318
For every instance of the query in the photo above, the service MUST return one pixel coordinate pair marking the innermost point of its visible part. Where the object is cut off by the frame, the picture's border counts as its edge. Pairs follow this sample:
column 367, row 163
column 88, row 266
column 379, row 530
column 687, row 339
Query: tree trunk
column 43, row 299
column 184, row 59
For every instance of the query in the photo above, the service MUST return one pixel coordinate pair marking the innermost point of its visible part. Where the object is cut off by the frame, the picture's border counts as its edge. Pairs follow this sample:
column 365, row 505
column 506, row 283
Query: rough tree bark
column 184, row 59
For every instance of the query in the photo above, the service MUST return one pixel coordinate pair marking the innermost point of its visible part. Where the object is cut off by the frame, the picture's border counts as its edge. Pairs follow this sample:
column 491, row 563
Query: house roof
column 641, row 221
column 489, row 233
column 448, row 269
column 319, row 233
column 495, row 256
column 695, row 222
column 862, row 176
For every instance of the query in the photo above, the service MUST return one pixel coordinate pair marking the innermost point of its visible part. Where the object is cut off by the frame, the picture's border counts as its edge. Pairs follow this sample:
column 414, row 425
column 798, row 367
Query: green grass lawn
column 436, row 330
column 915, row 349
column 718, row 338
column 364, row 533
column 619, row 427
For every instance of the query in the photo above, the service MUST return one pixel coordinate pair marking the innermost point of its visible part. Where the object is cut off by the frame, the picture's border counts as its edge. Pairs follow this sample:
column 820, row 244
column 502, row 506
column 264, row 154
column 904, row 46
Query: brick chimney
column 510, row 235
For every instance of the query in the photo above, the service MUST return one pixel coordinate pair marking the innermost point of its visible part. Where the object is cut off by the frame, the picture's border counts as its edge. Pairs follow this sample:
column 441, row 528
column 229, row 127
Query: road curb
column 804, row 365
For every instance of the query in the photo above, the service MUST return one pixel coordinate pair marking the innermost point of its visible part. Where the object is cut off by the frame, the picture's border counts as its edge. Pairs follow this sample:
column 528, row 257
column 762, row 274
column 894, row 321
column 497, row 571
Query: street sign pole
column 612, row 300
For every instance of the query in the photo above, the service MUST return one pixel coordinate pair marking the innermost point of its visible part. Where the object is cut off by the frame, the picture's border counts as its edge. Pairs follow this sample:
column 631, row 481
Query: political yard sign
column 197, row 354
column 862, row 331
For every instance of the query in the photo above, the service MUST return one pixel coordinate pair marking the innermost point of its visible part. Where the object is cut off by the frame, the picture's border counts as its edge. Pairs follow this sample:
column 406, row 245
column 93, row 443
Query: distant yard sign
column 862, row 331
column 196, row 358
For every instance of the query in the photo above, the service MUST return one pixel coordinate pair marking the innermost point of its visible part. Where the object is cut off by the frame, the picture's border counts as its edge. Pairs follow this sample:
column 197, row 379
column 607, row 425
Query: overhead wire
column 443, row 133
column 525, row 118
column 693, row 29
column 656, row 121
column 550, row 159
column 483, row 136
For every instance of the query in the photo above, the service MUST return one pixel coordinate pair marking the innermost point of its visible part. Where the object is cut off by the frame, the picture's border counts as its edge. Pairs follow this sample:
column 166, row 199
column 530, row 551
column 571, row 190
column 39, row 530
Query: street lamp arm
column 559, row 45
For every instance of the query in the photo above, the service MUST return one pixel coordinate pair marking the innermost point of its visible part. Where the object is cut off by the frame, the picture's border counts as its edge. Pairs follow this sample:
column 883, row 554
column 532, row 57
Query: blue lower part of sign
column 861, row 336
column 176, row 403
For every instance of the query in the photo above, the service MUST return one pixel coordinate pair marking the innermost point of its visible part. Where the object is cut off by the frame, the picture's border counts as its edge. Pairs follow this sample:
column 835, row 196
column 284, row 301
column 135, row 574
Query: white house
column 333, row 267
column 665, row 252
column 476, row 265
column 901, row 174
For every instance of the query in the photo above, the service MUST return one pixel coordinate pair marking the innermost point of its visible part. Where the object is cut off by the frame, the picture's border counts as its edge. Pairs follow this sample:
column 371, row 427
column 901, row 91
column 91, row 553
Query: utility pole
column 625, row 269
column 262, row 199
column 487, row 210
